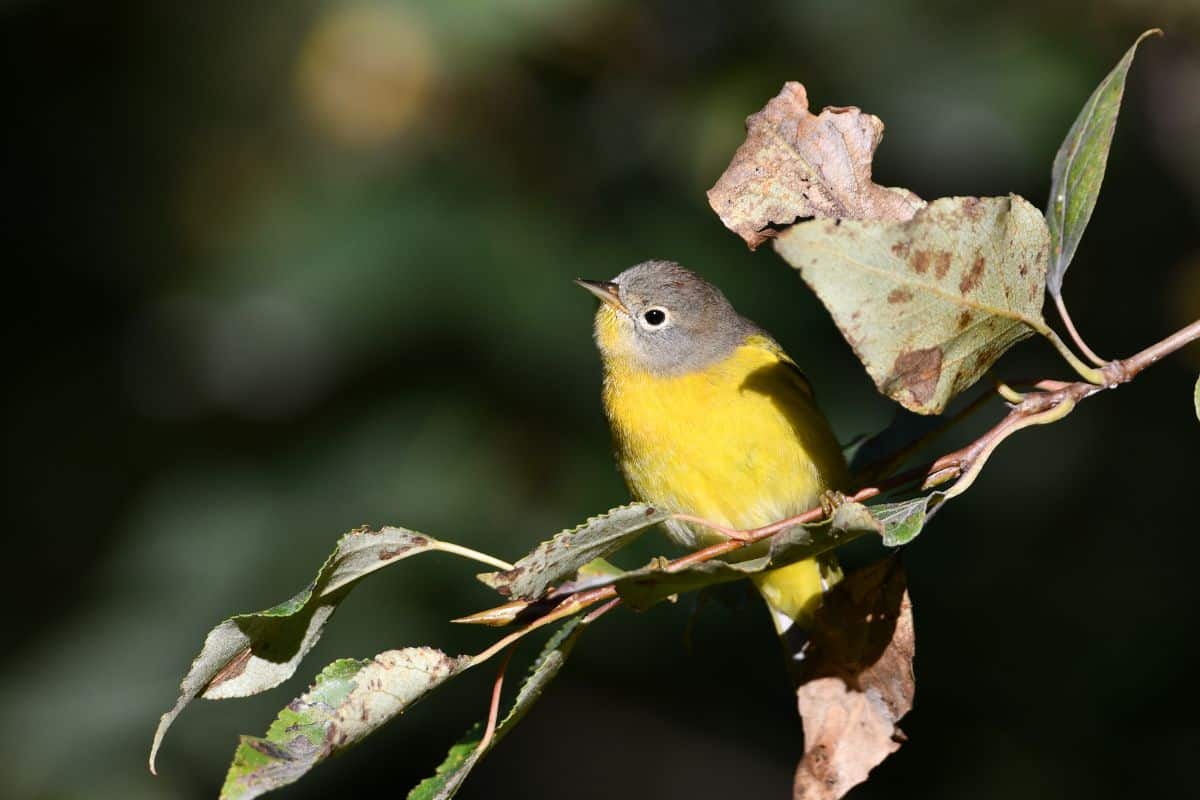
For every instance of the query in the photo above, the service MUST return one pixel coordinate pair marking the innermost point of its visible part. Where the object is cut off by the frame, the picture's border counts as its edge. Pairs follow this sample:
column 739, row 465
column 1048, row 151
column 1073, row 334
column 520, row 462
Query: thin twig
column 1053, row 401
column 974, row 456
column 741, row 538
column 1131, row 366
column 1075, row 337
column 571, row 604
column 494, row 709
column 596, row 613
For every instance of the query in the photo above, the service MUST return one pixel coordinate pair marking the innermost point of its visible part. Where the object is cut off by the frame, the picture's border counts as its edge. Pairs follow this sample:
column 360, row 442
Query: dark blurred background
column 279, row 269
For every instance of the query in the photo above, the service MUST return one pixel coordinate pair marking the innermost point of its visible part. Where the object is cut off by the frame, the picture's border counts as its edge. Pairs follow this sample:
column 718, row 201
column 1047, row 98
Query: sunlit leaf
column 465, row 754
column 348, row 701
column 796, row 164
column 928, row 305
column 1196, row 398
column 903, row 520
column 1079, row 167
column 251, row 653
column 560, row 558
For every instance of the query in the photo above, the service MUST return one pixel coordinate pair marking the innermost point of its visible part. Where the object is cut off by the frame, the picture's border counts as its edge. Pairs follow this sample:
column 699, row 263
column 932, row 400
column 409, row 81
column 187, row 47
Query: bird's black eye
column 655, row 317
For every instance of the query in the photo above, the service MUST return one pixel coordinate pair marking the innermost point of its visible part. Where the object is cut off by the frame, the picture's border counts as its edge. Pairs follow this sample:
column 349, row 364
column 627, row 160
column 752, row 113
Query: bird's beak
column 607, row 291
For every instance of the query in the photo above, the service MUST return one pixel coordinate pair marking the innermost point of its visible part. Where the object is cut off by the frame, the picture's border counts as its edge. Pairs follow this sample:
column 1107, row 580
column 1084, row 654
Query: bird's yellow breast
column 739, row 442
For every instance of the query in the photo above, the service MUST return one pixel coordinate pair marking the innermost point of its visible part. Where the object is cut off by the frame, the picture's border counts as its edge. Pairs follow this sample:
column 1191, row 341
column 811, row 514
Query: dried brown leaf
column 855, row 681
column 796, row 164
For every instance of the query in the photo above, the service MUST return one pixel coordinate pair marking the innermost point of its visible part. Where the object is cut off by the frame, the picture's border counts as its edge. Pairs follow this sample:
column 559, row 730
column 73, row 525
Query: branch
column 1126, row 370
column 1051, row 401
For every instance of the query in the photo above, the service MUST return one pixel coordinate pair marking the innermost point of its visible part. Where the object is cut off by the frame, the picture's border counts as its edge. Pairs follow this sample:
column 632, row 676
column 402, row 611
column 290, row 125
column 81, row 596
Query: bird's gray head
column 664, row 319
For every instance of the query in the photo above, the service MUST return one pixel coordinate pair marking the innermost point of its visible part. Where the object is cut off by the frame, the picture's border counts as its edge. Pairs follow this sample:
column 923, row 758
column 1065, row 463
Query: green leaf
column 466, row 753
column 561, row 557
column 929, row 304
column 903, row 520
column 1079, row 167
column 348, row 701
column 251, row 653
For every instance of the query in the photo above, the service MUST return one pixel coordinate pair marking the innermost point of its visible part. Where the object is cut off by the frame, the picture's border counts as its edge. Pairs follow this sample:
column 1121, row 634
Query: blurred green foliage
column 281, row 269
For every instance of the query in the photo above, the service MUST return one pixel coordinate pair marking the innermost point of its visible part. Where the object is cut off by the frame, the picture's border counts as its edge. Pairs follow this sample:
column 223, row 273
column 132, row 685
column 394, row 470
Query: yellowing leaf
column 796, row 164
column 348, row 701
column 1079, row 167
column 929, row 304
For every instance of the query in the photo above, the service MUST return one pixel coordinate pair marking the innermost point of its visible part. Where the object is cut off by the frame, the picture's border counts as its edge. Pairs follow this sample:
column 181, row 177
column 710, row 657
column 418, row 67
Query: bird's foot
column 740, row 536
column 831, row 500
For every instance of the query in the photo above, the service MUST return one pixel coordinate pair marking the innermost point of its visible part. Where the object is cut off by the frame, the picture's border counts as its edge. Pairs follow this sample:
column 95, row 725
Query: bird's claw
column 831, row 501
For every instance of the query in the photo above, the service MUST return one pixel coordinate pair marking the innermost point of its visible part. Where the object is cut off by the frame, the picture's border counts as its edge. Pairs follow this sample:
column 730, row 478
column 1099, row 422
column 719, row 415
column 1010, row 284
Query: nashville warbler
column 710, row 417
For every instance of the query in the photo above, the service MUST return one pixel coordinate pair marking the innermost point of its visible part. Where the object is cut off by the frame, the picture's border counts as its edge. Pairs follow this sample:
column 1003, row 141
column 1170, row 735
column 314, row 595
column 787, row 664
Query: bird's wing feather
column 761, row 339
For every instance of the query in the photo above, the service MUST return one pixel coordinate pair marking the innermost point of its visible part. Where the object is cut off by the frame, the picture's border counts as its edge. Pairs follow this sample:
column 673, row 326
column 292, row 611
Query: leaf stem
column 569, row 605
column 1075, row 337
column 494, row 708
column 1089, row 374
column 474, row 555
column 1008, row 393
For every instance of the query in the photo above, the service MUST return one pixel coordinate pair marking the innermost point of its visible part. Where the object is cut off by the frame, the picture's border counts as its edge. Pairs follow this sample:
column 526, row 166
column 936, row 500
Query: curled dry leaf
column 796, row 164
column 855, row 681
column 929, row 304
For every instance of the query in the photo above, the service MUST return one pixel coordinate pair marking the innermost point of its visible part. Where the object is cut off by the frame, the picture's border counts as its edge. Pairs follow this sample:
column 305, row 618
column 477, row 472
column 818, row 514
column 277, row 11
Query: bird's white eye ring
column 654, row 317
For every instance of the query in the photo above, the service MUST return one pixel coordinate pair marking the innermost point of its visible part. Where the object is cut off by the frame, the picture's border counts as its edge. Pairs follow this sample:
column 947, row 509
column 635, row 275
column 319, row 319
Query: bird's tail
column 793, row 593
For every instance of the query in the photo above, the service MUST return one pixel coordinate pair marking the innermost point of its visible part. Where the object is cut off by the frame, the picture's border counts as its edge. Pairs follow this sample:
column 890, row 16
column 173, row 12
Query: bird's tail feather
column 793, row 593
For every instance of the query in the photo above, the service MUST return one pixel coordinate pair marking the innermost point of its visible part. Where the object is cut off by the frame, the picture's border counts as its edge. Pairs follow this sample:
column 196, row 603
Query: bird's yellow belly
column 739, row 443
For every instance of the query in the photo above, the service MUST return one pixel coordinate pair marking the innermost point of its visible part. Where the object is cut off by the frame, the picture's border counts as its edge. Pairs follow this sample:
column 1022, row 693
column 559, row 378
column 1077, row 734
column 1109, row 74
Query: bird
column 711, row 418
